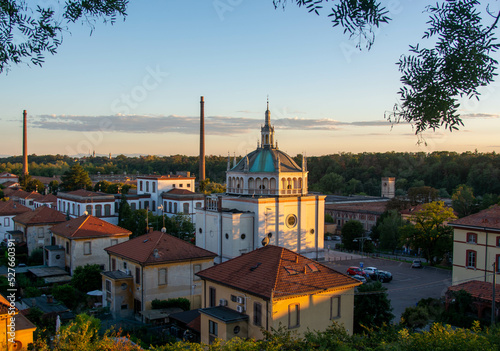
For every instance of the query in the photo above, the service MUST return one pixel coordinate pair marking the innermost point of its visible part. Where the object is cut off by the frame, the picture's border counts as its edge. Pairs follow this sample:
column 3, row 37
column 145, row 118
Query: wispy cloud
column 479, row 115
column 214, row 125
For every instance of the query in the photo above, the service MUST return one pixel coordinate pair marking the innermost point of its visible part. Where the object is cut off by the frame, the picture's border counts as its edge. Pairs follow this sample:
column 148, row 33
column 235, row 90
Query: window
column 89, row 209
column 125, row 265
column 113, row 264
column 108, row 290
column 196, row 269
column 140, row 185
column 41, row 232
column 497, row 268
column 471, row 259
column 67, row 248
column 335, row 307
column 198, row 205
column 211, row 297
column 212, row 328
column 498, row 241
column 175, row 207
column 107, row 210
column 78, row 213
column 293, row 315
column 137, row 275
column 98, row 210
column 189, row 185
column 472, row 238
column 114, row 242
column 162, row 275
column 180, row 185
column 154, row 204
column 154, row 187
column 6, row 221
column 73, row 209
column 186, row 208
column 257, row 314
column 291, row 221
column 147, row 187
column 117, row 207
column 133, row 206
column 87, row 248
column 170, row 207
column 146, row 204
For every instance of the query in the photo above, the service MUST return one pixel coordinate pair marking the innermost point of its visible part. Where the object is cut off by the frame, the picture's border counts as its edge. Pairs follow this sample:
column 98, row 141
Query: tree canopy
column 76, row 178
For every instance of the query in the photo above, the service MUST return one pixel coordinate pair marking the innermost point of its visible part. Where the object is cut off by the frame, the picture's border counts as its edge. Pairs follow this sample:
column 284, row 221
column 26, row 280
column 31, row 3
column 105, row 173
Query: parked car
column 371, row 271
column 360, row 278
column 353, row 270
column 384, row 276
column 417, row 264
column 335, row 238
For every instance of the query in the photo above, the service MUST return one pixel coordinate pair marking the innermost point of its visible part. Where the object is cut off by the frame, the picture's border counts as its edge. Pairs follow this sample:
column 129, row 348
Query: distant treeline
column 344, row 173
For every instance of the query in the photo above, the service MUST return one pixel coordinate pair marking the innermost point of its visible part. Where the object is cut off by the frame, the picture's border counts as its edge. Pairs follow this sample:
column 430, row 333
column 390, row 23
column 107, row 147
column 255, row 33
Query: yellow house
column 84, row 240
column 16, row 331
column 269, row 287
column 476, row 246
column 153, row 266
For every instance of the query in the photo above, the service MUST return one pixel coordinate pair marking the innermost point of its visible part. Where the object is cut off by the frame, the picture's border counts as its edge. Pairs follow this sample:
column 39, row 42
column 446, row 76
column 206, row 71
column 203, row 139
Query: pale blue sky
column 134, row 87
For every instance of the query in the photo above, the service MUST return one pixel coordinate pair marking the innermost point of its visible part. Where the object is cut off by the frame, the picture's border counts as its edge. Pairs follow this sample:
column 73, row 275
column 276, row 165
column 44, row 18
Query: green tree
column 351, row 230
column 389, row 231
column 40, row 28
column 124, row 213
column 464, row 201
column 76, row 178
column 422, row 194
column 372, row 307
column 54, row 187
column 68, row 295
column 35, row 258
column 35, row 185
column 415, row 317
column 332, row 183
column 430, row 231
column 87, row 278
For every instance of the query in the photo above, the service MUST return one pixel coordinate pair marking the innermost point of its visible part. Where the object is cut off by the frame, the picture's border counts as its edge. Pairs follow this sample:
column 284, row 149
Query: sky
column 134, row 87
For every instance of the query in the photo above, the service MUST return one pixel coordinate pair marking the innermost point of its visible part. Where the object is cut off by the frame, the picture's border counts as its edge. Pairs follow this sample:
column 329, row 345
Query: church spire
column 267, row 131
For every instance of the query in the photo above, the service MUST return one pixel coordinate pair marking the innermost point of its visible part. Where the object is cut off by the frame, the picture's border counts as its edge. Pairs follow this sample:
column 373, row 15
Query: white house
column 80, row 202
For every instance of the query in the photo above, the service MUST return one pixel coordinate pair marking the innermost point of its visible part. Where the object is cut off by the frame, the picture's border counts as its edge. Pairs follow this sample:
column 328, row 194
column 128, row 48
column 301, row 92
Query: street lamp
column 163, row 230
column 362, row 239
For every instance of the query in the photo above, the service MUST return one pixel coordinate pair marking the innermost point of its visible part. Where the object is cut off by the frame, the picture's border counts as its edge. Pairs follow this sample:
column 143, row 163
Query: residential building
column 49, row 200
column 266, row 202
column 8, row 210
column 23, row 329
column 367, row 212
column 269, row 287
column 476, row 246
column 183, row 201
column 152, row 266
column 155, row 186
column 28, row 198
column 84, row 240
column 8, row 177
column 35, row 226
column 82, row 202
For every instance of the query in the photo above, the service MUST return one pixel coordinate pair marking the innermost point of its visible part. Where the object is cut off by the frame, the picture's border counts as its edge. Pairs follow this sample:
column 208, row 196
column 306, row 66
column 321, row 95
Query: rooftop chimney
column 202, row 140
column 25, row 145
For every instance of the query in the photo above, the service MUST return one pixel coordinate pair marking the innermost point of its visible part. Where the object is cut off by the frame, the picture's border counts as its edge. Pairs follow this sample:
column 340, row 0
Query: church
column 266, row 202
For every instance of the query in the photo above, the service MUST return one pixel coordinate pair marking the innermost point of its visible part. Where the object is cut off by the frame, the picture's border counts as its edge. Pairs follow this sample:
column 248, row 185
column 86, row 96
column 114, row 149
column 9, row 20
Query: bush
column 415, row 317
column 180, row 302
column 36, row 258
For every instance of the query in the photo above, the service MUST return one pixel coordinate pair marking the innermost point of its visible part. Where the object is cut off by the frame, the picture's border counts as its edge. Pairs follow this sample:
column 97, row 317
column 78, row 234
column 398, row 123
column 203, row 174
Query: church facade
column 266, row 202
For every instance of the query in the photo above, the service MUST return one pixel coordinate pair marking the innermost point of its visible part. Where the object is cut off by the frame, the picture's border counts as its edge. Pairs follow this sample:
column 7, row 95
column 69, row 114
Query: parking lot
column 408, row 285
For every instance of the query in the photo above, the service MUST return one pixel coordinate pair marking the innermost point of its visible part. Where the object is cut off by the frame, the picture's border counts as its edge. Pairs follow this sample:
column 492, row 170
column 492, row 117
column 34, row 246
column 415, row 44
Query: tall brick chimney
column 25, row 145
column 202, row 140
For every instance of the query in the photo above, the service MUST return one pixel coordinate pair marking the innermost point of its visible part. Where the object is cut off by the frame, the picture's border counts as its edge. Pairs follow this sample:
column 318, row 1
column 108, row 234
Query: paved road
column 408, row 286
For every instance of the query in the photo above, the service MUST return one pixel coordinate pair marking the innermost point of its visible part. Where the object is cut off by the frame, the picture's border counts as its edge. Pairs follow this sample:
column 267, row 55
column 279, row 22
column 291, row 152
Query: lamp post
column 163, row 229
column 362, row 239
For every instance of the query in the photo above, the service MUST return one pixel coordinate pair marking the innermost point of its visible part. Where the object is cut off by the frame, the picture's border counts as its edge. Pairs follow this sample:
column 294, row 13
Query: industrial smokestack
column 202, row 140
column 25, row 145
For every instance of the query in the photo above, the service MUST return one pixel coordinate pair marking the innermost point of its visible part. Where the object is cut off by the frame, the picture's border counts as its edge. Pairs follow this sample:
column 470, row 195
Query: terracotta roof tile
column 489, row 218
column 48, row 198
column 274, row 271
column 88, row 227
column 157, row 247
column 478, row 289
column 12, row 208
column 377, row 207
column 84, row 193
column 164, row 177
column 41, row 215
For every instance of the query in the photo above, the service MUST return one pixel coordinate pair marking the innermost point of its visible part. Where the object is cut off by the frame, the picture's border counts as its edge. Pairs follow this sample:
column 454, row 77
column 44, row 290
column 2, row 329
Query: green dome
column 263, row 160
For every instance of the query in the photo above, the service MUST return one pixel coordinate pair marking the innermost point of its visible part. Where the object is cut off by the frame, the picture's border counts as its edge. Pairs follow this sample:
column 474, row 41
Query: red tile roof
column 273, row 272
column 489, row 218
column 12, row 208
column 9, row 184
column 41, row 215
column 88, row 227
column 478, row 289
column 164, row 177
column 157, row 247
column 48, row 198
column 84, row 193
column 377, row 207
